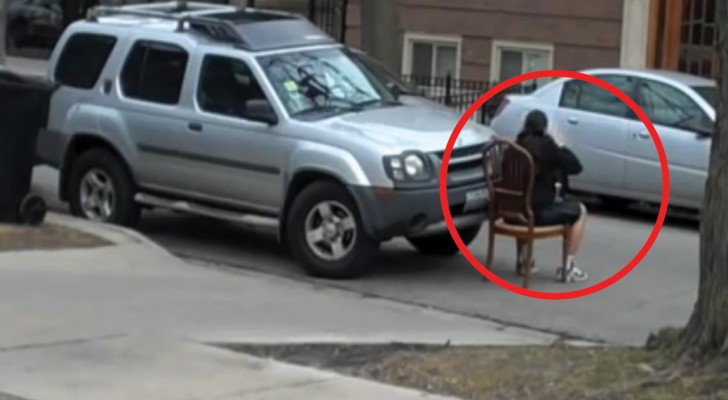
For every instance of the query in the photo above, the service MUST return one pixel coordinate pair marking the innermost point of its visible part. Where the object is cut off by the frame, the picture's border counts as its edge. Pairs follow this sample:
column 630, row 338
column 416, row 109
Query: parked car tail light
column 502, row 106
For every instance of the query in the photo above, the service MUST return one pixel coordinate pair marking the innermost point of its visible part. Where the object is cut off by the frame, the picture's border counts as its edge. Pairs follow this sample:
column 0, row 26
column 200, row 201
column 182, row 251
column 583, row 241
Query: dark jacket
column 552, row 162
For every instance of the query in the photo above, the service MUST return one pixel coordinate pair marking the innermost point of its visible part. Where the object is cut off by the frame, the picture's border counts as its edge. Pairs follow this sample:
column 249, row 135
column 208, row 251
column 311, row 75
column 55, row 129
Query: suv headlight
column 409, row 167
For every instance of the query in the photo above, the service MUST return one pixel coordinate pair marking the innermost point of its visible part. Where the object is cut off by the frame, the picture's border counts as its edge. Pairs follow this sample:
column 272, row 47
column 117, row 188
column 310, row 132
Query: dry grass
column 543, row 373
column 45, row 237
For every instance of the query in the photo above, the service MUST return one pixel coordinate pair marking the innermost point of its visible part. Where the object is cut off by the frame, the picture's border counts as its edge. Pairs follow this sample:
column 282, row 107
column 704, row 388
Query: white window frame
column 500, row 45
column 411, row 37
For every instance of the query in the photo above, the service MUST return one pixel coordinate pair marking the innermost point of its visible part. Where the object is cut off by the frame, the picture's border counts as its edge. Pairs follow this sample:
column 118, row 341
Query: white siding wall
column 635, row 25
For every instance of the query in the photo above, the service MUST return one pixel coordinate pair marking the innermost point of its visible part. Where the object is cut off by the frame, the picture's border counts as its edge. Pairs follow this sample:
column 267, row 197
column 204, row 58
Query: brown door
column 682, row 36
column 698, row 35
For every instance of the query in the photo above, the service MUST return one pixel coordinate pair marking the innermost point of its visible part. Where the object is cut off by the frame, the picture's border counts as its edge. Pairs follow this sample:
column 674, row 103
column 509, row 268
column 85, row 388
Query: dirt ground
column 45, row 237
column 508, row 373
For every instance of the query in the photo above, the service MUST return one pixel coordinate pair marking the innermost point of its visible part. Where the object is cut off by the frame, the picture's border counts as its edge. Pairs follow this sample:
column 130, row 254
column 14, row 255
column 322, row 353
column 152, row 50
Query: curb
column 104, row 230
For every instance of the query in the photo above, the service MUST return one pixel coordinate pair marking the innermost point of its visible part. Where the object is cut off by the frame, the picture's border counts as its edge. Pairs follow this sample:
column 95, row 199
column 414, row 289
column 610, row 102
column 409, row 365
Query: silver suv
column 232, row 112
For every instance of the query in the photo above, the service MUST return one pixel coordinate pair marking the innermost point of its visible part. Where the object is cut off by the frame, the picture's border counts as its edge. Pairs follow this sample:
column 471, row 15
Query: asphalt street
column 659, row 292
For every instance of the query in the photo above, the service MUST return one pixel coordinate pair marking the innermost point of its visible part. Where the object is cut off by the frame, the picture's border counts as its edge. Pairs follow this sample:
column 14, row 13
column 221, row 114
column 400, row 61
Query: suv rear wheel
column 443, row 244
column 325, row 232
column 101, row 189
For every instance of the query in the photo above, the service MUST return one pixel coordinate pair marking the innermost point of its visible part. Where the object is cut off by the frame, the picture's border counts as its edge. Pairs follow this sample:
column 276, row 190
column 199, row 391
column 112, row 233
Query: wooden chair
column 510, row 171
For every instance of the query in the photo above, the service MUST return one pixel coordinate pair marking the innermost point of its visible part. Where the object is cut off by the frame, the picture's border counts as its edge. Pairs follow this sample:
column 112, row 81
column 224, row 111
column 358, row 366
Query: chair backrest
column 509, row 169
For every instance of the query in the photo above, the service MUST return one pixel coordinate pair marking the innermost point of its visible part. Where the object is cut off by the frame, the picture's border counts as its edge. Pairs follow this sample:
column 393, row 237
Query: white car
column 620, row 159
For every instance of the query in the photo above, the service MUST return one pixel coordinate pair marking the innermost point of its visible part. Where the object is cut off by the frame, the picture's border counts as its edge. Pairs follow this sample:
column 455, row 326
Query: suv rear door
column 151, row 86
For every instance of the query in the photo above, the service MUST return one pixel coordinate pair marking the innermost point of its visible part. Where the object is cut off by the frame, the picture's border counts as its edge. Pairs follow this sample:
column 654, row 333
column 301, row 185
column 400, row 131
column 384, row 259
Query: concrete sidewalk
column 129, row 321
column 126, row 368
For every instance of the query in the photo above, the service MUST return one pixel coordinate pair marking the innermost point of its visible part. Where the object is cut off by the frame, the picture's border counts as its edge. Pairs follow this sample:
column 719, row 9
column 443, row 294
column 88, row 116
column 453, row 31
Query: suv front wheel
column 101, row 189
column 443, row 244
column 325, row 233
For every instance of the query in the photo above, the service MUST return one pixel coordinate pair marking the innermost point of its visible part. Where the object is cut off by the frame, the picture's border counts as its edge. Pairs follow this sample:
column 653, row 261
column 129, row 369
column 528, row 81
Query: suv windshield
column 324, row 82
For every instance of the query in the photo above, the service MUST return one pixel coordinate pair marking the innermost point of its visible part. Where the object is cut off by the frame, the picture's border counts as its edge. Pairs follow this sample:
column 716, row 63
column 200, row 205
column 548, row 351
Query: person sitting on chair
column 552, row 161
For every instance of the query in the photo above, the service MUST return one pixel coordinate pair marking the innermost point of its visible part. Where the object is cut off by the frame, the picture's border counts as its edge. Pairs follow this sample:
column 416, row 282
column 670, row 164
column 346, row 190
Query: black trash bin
column 24, row 104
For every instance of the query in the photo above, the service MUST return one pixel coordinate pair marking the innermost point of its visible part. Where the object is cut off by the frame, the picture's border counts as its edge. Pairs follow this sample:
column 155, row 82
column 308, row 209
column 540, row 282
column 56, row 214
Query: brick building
column 490, row 40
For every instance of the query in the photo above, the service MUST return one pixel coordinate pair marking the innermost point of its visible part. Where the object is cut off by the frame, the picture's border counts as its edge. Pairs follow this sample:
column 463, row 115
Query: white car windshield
column 323, row 82
column 708, row 93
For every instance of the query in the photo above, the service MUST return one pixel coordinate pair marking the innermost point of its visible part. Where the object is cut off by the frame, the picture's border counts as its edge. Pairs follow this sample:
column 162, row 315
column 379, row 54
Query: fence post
column 448, row 88
column 344, row 17
column 312, row 11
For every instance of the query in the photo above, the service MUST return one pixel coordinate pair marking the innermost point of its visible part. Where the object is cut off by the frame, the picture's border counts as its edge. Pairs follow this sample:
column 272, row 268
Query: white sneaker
column 573, row 275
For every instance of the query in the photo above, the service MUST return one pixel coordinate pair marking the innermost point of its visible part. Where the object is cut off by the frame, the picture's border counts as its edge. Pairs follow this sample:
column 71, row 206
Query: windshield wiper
column 328, row 108
column 372, row 102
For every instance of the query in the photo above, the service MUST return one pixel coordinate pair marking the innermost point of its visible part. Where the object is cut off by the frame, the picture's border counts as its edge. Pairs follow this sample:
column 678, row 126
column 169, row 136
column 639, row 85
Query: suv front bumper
column 387, row 213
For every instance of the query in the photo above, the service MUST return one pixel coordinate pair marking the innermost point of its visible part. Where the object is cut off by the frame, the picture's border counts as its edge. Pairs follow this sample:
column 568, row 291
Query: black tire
column 443, row 244
column 125, row 211
column 352, row 264
column 32, row 210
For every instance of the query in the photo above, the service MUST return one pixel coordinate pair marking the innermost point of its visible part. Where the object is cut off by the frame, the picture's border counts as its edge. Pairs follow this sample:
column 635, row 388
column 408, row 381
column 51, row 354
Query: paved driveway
column 659, row 292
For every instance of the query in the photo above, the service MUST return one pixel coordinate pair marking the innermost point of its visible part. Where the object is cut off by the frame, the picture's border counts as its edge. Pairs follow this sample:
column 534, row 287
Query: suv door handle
column 194, row 126
column 573, row 120
column 643, row 135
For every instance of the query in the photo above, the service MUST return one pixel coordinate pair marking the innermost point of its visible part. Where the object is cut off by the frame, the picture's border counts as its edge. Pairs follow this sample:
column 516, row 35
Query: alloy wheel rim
column 330, row 230
column 97, row 194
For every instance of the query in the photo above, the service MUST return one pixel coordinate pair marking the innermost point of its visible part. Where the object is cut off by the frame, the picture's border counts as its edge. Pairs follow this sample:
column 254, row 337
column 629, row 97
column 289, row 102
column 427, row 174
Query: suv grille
column 465, row 165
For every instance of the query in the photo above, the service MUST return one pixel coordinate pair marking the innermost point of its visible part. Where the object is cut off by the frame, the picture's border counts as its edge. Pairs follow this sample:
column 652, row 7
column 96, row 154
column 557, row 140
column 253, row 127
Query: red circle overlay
column 622, row 272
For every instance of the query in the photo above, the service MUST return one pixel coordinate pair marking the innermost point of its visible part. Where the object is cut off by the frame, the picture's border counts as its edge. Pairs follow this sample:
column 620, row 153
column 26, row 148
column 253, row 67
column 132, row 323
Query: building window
column 431, row 56
column 510, row 59
column 698, row 35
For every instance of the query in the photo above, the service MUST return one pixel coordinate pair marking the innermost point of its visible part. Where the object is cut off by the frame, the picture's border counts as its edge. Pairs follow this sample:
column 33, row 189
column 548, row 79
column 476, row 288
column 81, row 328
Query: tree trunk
column 380, row 32
column 3, row 30
column 706, row 333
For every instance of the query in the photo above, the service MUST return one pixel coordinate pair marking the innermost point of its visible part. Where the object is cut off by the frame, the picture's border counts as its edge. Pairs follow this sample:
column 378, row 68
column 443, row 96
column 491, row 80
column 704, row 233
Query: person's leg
column 577, row 232
column 575, row 214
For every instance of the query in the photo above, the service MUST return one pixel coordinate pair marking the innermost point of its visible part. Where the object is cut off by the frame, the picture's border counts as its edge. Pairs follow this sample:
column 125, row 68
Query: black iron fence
column 460, row 94
column 329, row 15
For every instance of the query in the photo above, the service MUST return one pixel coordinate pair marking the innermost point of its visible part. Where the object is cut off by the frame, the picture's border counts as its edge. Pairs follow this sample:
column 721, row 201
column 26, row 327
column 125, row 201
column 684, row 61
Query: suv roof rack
column 191, row 16
column 217, row 21
column 167, row 10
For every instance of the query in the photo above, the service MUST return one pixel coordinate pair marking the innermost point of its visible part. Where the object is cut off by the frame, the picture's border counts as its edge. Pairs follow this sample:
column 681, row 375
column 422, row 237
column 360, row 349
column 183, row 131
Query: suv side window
column 668, row 106
column 83, row 59
column 154, row 72
column 226, row 85
column 591, row 98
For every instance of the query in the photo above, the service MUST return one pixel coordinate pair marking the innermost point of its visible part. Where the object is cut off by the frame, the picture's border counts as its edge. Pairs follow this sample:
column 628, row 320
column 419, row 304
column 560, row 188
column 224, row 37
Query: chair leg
column 491, row 249
column 528, row 260
column 519, row 253
column 565, row 252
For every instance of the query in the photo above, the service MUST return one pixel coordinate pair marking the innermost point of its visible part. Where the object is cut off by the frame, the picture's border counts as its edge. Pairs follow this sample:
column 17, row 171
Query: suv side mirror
column 261, row 111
